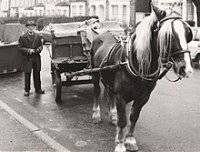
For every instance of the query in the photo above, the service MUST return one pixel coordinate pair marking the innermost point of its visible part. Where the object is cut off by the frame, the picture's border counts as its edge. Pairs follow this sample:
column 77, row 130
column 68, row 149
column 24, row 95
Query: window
column 124, row 13
column 115, row 12
column 40, row 12
column 81, row 10
column 53, row 13
column 93, row 10
column 65, row 12
column 48, row 12
column 73, row 10
column 102, row 13
column 59, row 12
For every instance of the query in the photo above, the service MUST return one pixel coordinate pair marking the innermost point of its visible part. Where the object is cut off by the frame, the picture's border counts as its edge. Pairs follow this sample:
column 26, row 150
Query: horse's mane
column 164, row 38
column 142, row 42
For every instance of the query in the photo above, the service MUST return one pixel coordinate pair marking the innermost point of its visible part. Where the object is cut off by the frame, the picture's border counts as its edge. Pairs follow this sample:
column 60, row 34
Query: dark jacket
column 27, row 42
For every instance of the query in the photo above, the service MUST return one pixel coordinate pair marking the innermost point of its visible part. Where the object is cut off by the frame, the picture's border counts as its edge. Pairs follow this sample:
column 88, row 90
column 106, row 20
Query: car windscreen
column 196, row 35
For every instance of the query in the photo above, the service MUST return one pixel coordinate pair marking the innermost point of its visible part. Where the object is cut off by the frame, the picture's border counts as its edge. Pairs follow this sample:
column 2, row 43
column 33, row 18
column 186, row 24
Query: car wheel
column 198, row 61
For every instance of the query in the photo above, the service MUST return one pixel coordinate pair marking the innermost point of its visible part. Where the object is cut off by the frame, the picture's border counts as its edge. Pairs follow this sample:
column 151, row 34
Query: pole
column 107, row 11
column 87, row 8
column 132, row 13
column 9, row 5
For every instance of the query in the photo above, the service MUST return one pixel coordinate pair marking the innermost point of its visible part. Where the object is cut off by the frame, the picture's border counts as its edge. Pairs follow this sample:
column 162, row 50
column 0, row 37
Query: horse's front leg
column 98, row 95
column 121, row 124
column 130, row 142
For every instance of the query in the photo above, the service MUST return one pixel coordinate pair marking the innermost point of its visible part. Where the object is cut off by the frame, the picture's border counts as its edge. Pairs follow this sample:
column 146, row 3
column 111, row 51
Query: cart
column 9, row 58
column 70, row 57
column 67, row 56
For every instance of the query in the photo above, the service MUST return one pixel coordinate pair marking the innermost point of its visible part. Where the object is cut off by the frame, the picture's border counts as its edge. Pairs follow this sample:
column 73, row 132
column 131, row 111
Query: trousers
column 36, row 80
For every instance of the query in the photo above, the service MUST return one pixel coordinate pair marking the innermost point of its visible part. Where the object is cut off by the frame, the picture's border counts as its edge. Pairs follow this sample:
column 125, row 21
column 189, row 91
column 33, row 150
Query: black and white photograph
column 100, row 75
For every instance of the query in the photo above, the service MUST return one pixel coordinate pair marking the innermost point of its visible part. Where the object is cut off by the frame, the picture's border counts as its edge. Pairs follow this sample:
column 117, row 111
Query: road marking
column 34, row 129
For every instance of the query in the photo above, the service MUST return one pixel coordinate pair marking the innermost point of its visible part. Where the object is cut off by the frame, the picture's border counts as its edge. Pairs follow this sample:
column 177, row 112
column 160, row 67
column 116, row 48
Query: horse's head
column 173, row 35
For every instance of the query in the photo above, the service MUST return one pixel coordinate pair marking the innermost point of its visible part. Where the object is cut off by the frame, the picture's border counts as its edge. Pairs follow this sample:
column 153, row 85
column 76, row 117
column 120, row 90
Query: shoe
column 40, row 92
column 26, row 93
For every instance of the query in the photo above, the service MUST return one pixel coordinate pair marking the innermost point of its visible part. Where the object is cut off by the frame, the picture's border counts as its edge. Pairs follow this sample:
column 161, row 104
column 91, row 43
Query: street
column 170, row 121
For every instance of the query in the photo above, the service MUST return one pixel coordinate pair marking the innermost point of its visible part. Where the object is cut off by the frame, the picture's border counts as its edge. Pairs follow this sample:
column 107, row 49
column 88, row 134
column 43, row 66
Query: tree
column 197, row 4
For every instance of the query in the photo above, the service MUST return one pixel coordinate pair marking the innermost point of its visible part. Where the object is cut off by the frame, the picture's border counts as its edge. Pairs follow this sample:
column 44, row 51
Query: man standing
column 30, row 45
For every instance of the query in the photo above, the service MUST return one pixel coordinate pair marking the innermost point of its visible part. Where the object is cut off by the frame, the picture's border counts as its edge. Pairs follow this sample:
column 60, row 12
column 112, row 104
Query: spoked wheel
column 57, row 85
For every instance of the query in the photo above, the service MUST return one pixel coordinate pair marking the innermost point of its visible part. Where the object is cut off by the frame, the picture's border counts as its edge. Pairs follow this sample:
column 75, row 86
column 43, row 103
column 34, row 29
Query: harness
column 128, row 63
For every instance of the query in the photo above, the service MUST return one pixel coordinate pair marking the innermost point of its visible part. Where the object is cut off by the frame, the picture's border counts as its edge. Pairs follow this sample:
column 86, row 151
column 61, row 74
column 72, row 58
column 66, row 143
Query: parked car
column 194, row 47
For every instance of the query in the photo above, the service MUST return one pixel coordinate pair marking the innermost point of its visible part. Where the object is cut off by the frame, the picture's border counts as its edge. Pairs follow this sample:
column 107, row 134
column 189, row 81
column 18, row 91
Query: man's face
column 31, row 28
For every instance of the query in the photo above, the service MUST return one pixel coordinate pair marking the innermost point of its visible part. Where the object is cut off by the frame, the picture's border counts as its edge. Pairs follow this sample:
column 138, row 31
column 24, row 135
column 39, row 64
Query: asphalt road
column 170, row 121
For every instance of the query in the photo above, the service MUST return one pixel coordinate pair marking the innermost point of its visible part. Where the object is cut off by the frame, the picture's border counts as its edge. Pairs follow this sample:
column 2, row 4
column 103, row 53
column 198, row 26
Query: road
column 170, row 121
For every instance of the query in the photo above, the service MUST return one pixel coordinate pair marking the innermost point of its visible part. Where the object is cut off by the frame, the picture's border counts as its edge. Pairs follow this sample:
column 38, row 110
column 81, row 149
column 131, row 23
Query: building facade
column 186, row 8
column 113, row 10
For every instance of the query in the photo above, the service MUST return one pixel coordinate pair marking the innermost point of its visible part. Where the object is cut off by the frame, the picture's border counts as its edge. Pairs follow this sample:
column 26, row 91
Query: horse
column 158, row 40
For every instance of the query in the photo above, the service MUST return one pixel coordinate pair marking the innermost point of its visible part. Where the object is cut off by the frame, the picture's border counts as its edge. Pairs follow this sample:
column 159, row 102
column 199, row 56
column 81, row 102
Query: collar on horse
column 131, row 68
column 107, row 63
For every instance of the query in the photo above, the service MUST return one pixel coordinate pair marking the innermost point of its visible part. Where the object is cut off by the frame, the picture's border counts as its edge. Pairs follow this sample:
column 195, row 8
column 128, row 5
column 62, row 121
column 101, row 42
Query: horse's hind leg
column 98, row 95
column 112, row 109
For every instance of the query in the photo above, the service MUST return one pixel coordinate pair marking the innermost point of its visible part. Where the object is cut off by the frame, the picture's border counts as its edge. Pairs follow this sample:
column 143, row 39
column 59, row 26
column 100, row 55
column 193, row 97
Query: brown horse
column 160, row 38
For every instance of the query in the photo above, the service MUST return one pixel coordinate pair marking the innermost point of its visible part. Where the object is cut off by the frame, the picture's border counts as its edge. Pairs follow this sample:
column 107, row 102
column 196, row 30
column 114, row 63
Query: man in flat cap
column 30, row 45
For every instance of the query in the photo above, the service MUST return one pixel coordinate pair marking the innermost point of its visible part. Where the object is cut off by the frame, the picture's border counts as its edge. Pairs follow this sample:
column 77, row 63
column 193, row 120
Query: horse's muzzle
column 185, row 72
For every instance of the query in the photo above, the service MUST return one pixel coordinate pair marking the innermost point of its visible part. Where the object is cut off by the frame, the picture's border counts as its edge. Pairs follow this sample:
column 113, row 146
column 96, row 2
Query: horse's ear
column 159, row 13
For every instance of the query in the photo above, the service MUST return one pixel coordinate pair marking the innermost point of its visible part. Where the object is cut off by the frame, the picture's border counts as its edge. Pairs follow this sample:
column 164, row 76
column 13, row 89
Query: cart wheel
column 57, row 86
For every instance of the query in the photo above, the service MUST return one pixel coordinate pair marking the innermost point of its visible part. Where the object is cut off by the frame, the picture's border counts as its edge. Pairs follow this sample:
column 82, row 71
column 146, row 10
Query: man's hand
column 31, row 51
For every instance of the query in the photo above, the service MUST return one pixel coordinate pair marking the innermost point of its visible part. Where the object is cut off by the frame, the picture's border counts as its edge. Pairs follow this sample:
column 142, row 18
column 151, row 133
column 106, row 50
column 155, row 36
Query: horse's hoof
column 130, row 144
column 120, row 148
column 96, row 117
column 96, row 120
column 113, row 118
column 114, row 122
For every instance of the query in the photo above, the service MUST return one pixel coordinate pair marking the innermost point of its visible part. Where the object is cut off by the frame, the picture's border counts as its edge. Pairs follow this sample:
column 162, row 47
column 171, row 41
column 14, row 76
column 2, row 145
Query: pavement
column 14, row 136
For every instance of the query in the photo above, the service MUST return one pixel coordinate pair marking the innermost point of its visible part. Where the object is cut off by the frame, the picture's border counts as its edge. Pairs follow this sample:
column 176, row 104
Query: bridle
column 167, row 65
column 171, row 55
